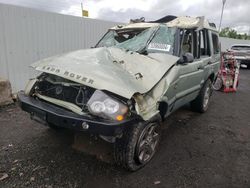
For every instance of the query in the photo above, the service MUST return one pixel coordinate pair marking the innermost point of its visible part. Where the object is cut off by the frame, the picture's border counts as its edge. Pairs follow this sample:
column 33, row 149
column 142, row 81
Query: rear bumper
column 45, row 113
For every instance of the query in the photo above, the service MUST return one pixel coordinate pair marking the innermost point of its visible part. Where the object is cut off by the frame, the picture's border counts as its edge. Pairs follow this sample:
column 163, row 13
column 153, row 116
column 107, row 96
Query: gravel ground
column 197, row 150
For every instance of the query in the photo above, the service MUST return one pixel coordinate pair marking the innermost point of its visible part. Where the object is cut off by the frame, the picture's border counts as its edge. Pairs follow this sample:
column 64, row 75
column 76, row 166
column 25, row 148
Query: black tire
column 201, row 103
column 128, row 149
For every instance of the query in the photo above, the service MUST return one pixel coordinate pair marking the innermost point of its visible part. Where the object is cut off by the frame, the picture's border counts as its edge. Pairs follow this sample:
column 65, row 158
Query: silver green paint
column 112, row 69
column 149, row 79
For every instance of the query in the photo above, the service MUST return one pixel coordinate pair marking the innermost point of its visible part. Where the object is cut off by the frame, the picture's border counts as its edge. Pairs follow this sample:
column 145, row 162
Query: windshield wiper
column 143, row 50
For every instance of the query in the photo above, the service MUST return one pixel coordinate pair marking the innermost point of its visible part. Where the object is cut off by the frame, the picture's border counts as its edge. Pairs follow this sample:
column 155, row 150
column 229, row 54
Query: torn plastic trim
column 145, row 107
column 61, row 103
column 29, row 86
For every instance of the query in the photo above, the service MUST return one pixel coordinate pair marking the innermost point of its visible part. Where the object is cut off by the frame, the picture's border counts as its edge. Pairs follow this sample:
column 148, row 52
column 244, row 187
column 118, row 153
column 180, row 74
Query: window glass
column 108, row 40
column 187, row 42
column 204, row 45
column 138, row 42
column 154, row 39
column 202, row 40
column 215, row 43
column 163, row 40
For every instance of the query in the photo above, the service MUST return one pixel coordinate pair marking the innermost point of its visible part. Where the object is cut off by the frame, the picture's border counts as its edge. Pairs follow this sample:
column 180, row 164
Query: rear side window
column 216, row 45
column 204, row 43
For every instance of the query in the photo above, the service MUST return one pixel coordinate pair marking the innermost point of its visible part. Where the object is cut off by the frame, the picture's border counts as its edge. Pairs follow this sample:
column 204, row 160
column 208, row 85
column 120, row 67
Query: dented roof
column 180, row 22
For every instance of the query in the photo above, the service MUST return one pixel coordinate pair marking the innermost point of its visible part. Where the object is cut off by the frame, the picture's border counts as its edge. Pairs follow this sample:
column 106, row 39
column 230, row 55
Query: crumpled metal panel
column 118, row 71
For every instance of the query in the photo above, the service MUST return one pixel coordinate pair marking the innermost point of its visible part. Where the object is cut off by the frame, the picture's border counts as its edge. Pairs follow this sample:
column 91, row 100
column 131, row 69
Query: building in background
column 27, row 35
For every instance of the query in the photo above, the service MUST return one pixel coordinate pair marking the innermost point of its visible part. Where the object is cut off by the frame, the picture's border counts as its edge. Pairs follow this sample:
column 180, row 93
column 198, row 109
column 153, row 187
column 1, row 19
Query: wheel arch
column 212, row 77
column 163, row 109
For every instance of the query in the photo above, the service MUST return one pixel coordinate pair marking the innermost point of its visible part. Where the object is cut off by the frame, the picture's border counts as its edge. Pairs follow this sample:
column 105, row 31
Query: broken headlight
column 102, row 105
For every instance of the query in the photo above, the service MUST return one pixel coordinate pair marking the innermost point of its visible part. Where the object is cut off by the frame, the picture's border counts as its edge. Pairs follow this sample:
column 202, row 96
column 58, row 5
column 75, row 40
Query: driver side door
column 191, row 74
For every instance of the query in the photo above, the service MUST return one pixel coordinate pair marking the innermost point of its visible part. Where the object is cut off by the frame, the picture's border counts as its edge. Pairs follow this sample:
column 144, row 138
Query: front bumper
column 45, row 113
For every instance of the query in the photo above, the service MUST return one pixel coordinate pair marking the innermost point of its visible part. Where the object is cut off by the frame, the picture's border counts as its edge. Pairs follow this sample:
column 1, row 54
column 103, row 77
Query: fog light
column 85, row 125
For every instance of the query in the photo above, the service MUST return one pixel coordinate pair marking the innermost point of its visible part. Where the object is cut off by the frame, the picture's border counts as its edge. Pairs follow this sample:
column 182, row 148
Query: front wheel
column 201, row 103
column 137, row 146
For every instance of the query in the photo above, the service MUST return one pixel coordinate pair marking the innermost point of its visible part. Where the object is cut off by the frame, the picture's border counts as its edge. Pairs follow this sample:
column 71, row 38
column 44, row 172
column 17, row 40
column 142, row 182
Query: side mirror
column 188, row 58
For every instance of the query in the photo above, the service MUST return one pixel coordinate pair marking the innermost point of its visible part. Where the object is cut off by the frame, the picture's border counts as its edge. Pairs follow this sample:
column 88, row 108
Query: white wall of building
column 27, row 35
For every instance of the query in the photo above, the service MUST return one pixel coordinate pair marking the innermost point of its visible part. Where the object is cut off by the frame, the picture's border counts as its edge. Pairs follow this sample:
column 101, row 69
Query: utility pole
column 222, row 11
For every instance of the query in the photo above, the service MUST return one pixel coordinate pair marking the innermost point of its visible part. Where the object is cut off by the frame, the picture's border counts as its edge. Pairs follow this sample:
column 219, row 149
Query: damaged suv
column 134, row 78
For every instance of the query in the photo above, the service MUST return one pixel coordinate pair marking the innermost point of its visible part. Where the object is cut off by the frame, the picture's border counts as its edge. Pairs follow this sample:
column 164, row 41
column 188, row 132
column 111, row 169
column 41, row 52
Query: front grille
column 73, row 93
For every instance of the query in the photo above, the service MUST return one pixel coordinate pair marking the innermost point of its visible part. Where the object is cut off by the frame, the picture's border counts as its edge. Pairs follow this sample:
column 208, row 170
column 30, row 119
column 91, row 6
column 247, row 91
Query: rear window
column 240, row 47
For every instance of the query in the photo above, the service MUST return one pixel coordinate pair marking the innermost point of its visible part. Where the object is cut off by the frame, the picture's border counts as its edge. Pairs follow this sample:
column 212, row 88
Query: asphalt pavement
column 196, row 150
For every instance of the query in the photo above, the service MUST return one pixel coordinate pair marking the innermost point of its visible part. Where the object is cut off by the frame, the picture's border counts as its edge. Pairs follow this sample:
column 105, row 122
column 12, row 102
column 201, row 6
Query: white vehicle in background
column 242, row 54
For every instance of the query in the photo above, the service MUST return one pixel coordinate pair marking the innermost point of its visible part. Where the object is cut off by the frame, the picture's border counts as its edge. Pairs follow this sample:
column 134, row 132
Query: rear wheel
column 137, row 146
column 201, row 103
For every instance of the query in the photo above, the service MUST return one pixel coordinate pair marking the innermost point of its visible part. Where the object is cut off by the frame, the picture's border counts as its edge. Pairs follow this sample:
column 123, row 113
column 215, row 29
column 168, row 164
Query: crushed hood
column 118, row 71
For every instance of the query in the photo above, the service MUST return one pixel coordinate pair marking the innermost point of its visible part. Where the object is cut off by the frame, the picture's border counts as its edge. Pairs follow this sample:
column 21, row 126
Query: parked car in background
column 242, row 54
column 134, row 78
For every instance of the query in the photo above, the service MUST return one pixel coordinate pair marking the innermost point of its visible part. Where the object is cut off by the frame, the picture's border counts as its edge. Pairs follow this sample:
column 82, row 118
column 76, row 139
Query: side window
column 190, row 43
column 204, row 43
column 187, row 42
column 216, row 45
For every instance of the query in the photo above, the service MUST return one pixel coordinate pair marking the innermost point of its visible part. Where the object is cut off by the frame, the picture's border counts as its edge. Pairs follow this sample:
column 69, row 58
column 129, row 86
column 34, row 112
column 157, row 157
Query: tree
column 224, row 32
column 245, row 37
column 231, row 33
column 239, row 36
